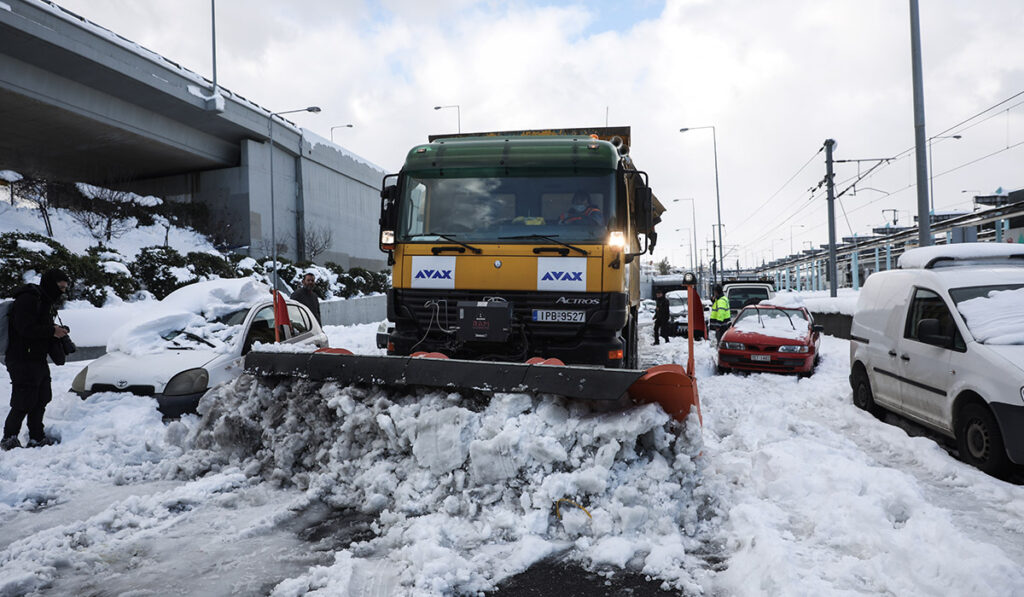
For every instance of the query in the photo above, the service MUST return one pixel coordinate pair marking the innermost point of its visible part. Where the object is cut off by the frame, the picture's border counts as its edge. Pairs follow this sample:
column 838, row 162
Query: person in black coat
column 307, row 296
column 31, row 331
column 661, row 314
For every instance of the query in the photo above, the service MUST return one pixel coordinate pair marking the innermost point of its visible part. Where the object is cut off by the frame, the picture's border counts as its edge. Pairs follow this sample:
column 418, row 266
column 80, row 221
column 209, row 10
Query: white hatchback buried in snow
column 195, row 347
column 941, row 341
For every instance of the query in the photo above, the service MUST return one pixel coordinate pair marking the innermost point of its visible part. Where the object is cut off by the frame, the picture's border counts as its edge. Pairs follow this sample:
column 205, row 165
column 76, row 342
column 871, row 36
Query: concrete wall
column 368, row 309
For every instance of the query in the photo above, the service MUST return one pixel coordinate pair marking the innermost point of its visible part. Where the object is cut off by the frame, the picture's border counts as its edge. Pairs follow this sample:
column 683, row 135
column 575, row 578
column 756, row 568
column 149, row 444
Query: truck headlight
column 617, row 240
column 733, row 345
column 191, row 381
column 78, row 384
column 793, row 348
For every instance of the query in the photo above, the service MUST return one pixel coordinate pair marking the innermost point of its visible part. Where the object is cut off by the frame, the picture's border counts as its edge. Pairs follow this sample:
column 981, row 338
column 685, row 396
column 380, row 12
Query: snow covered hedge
column 104, row 274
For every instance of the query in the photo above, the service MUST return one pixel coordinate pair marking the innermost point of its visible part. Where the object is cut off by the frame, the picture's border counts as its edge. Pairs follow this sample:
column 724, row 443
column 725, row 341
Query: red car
column 770, row 338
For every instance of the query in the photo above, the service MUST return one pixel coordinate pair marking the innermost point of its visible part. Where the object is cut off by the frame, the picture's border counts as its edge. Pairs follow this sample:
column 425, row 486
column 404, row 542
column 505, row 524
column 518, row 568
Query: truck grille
column 419, row 303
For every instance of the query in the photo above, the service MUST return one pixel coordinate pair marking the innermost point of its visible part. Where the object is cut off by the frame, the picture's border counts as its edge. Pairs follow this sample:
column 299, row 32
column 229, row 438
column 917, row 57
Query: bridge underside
column 42, row 139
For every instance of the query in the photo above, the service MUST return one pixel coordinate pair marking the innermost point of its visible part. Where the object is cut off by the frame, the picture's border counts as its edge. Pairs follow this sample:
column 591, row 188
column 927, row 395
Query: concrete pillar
column 855, row 269
column 888, row 256
column 876, row 259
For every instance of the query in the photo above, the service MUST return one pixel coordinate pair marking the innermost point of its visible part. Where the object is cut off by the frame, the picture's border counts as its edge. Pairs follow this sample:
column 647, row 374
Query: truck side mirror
column 644, row 209
column 388, row 218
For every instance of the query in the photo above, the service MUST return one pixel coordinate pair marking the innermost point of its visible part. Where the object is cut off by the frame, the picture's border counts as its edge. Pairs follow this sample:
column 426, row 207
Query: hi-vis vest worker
column 720, row 308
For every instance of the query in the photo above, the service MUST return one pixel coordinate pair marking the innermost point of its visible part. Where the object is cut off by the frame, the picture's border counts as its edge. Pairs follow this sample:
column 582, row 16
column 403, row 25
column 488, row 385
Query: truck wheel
column 980, row 442
column 863, row 398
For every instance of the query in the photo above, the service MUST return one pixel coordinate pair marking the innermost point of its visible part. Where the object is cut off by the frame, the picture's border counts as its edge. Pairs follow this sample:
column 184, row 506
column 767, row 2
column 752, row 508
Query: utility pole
column 830, row 186
column 924, row 220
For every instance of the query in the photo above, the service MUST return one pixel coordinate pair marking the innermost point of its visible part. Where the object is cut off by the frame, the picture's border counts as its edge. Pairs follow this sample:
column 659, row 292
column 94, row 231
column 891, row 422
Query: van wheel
column 980, row 442
column 863, row 398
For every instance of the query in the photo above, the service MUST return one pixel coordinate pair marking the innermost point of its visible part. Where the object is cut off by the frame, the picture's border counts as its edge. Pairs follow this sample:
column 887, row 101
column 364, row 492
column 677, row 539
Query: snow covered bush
column 207, row 266
column 162, row 270
column 27, row 254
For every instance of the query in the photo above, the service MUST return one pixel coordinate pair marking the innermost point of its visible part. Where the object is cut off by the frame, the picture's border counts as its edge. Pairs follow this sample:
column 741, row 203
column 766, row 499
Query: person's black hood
column 48, row 284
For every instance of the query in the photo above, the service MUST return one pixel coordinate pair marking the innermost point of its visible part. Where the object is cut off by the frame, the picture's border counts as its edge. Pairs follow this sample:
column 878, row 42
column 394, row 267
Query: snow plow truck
column 516, row 268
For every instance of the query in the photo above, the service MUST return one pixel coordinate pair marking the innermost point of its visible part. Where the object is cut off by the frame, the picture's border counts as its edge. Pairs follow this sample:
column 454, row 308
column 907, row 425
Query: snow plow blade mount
column 667, row 385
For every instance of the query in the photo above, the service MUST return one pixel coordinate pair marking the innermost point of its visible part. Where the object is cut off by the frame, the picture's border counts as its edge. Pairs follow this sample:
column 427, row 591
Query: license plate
column 559, row 316
column 761, row 357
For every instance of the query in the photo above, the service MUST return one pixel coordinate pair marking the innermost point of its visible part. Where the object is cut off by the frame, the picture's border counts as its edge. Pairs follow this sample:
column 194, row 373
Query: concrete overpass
column 81, row 103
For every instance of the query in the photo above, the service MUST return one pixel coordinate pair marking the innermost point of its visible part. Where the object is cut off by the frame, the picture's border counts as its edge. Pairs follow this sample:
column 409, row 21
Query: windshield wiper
column 553, row 239
column 790, row 317
column 195, row 337
column 452, row 239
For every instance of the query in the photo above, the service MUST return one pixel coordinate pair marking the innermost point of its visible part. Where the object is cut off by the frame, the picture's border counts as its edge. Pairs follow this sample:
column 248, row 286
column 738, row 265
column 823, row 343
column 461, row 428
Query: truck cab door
column 924, row 358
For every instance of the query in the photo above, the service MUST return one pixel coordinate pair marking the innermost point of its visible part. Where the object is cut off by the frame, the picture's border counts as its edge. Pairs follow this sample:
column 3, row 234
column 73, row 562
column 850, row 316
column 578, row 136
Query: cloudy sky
column 775, row 79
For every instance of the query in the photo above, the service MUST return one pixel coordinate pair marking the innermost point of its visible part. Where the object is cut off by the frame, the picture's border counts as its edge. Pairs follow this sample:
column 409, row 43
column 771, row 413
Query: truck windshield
column 569, row 208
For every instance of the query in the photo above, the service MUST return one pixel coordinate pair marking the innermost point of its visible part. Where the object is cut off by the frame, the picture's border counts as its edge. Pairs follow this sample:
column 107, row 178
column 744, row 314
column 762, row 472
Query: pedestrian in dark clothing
column 305, row 295
column 31, row 331
column 661, row 314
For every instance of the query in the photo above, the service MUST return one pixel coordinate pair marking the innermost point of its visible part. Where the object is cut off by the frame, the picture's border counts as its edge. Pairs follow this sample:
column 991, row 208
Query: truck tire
column 862, row 396
column 980, row 441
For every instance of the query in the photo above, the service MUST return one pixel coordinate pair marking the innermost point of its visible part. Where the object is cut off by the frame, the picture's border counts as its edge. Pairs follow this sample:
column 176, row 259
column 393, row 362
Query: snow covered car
column 179, row 354
column 771, row 338
column 941, row 341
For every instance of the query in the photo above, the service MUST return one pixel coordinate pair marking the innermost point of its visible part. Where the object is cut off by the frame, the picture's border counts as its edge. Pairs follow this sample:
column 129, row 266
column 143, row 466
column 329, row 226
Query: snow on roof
column 921, row 256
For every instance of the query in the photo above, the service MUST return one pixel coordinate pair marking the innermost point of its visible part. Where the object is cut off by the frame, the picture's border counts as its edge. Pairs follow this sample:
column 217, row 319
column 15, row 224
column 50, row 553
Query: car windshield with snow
column 193, row 340
column 770, row 338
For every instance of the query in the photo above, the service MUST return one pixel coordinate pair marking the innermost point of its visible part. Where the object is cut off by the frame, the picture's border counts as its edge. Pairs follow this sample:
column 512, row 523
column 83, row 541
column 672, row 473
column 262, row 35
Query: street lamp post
column 458, row 114
column 791, row 227
column 931, row 172
column 340, row 126
column 718, row 201
column 273, row 228
column 693, row 209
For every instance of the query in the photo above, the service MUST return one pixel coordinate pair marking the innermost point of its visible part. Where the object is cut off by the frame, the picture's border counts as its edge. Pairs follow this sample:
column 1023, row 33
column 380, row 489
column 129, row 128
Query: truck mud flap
column 667, row 385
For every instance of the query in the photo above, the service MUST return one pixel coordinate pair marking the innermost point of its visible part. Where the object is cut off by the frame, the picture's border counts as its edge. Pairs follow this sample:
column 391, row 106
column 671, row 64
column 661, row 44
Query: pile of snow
column 10, row 176
column 786, row 298
column 821, row 301
column 464, row 494
column 191, row 308
column 997, row 318
column 93, row 192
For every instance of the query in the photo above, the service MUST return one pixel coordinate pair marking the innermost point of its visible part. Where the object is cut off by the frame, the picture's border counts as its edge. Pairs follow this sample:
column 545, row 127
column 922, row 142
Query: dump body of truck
column 512, row 245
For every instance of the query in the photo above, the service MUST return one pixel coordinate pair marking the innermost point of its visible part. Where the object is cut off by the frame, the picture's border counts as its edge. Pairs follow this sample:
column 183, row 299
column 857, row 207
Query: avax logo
column 434, row 274
column 564, row 276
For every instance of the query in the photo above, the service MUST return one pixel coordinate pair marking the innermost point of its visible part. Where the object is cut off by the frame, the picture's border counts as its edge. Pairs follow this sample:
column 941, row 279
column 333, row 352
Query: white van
column 742, row 294
column 941, row 341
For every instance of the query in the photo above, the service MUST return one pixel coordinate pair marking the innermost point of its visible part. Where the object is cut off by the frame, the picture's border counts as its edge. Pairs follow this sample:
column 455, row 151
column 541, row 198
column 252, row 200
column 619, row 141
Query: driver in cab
column 582, row 211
